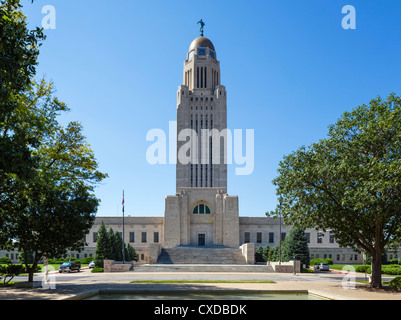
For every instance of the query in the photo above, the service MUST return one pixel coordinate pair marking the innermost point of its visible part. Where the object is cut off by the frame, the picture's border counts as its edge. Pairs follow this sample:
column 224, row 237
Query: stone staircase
column 201, row 259
column 204, row 255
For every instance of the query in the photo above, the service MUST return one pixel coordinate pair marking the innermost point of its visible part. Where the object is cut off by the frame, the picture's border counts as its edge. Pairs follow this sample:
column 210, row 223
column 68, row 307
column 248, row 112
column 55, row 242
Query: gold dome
column 201, row 41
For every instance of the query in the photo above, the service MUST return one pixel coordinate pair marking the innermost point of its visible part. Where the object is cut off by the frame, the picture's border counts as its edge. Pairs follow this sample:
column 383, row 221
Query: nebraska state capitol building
column 202, row 213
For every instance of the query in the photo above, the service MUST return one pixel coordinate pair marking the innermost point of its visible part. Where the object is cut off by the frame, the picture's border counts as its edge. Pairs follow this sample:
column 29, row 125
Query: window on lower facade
column 156, row 237
column 143, row 236
column 132, row 237
column 271, row 237
column 247, row 237
column 259, row 237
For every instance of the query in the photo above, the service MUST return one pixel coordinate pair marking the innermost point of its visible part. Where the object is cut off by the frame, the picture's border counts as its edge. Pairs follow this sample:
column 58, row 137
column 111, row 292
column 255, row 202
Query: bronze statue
column 201, row 28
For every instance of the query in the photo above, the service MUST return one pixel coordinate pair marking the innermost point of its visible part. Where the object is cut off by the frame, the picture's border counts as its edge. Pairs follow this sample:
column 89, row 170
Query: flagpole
column 123, row 231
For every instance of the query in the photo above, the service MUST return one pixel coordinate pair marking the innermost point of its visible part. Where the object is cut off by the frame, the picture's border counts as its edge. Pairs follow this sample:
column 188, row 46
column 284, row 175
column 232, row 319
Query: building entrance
column 201, row 239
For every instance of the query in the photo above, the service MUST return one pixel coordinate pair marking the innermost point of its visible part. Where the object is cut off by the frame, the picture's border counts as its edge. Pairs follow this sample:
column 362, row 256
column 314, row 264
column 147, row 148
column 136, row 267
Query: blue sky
column 289, row 67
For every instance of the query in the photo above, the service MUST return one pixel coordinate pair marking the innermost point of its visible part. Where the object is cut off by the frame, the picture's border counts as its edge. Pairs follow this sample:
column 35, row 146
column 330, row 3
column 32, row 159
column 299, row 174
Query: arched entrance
column 201, row 227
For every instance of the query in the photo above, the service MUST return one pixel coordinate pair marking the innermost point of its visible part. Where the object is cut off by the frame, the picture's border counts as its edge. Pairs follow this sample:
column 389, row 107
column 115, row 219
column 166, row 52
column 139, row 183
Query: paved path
column 325, row 284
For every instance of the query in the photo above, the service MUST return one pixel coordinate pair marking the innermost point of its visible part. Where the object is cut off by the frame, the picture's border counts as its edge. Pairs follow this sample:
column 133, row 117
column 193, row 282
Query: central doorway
column 201, row 239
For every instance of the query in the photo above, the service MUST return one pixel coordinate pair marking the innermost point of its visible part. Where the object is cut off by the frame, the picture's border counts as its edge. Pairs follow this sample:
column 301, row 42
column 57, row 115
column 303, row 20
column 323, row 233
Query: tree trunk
column 376, row 272
column 30, row 274
column 377, row 257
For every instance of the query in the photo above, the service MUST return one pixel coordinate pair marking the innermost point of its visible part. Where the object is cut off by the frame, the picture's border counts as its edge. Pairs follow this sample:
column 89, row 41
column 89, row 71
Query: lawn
column 203, row 281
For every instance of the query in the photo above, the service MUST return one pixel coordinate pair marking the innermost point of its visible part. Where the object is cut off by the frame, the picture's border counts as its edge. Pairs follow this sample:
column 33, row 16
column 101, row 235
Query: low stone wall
column 116, row 266
column 248, row 251
column 286, row 267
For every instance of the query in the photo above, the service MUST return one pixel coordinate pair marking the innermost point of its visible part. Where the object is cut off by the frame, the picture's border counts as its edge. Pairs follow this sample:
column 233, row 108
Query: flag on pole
column 123, row 201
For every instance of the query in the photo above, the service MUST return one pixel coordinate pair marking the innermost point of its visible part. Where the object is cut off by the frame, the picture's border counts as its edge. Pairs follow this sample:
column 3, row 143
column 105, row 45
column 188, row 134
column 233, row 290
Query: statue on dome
column 201, row 28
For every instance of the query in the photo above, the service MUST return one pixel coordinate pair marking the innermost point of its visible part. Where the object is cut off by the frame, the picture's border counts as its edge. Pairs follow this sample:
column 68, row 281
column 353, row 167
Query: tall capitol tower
column 202, row 105
column 201, row 213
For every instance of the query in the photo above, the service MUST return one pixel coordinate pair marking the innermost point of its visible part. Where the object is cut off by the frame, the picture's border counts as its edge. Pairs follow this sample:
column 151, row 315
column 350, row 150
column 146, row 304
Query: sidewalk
column 315, row 284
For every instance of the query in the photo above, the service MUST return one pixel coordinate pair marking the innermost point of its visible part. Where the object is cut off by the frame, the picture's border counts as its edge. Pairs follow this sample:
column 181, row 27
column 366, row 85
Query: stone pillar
column 248, row 251
column 230, row 221
column 107, row 265
column 172, row 222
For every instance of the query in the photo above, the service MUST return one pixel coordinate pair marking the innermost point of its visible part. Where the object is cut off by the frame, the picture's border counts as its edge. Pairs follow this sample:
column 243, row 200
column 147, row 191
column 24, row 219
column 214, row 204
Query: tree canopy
column 48, row 171
column 350, row 182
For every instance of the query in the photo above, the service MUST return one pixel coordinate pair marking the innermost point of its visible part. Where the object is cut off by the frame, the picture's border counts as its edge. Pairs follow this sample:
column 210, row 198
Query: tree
column 10, row 271
column 296, row 246
column 102, row 251
column 131, row 254
column 19, row 50
column 259, row 254
column 266, row 253
column 350, row 182
column 47, row 172
column 117, row 247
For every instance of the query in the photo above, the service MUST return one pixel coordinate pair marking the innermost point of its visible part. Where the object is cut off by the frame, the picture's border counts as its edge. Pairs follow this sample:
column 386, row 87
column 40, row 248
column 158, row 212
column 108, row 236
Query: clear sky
column 289, row 67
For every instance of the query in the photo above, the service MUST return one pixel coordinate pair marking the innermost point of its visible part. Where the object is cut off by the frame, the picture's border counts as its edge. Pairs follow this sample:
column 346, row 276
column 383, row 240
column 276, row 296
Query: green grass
column 203, row 281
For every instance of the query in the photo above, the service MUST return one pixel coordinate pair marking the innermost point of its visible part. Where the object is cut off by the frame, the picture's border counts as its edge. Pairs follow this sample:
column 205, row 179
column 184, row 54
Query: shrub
column 259, row 254
column 393, row 261
column 392, row 269
column 56, row 261
column 319, row 260
column 5, row 260
column 363, row 268
column 87, row 260
column 94, row 270
column 316, row 261
column 10, row 271
column 395, row 284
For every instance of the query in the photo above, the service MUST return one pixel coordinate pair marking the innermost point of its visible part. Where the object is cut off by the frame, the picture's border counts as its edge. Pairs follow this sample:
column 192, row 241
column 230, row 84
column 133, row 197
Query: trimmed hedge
column 392, row 269
column 395, row 284
column 318, row 260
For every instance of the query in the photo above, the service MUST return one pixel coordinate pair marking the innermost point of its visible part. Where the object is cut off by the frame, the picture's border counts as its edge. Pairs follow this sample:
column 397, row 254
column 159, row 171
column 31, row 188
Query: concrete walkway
column 68, row 286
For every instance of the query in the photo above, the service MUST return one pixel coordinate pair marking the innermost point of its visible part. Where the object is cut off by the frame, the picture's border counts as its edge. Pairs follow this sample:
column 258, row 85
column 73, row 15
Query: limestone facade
column 201, row 212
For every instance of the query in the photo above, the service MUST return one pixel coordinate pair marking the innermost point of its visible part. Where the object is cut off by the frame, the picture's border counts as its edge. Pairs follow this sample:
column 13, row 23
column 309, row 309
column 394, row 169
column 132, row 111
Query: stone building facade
column 201, row 213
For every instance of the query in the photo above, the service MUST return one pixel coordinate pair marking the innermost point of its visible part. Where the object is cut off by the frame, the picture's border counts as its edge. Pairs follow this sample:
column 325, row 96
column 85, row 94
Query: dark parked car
column 69, row 266
column 322, row 267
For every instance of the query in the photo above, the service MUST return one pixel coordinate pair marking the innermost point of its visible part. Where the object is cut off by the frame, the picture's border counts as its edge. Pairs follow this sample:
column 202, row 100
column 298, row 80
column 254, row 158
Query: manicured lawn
column 203, row 281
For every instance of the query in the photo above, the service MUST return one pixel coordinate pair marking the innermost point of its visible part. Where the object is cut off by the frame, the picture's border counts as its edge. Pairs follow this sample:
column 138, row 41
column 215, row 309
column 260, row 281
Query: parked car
column 322, row 267
column 91, row 264
column 69, row 266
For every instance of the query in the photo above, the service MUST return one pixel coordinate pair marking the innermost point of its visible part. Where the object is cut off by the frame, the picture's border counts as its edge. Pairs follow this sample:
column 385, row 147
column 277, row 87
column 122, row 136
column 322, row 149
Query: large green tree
column 350, row 182
column 296, row 245
column 19, row 50
column 52, row 210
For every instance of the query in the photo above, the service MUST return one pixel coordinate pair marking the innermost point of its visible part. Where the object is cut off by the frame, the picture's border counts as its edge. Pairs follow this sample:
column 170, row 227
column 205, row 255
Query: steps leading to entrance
column 206, row 255
column 201, row 268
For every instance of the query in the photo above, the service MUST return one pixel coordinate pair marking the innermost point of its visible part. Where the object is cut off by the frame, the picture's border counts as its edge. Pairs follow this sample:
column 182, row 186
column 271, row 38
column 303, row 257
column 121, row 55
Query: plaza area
column 79, row 285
